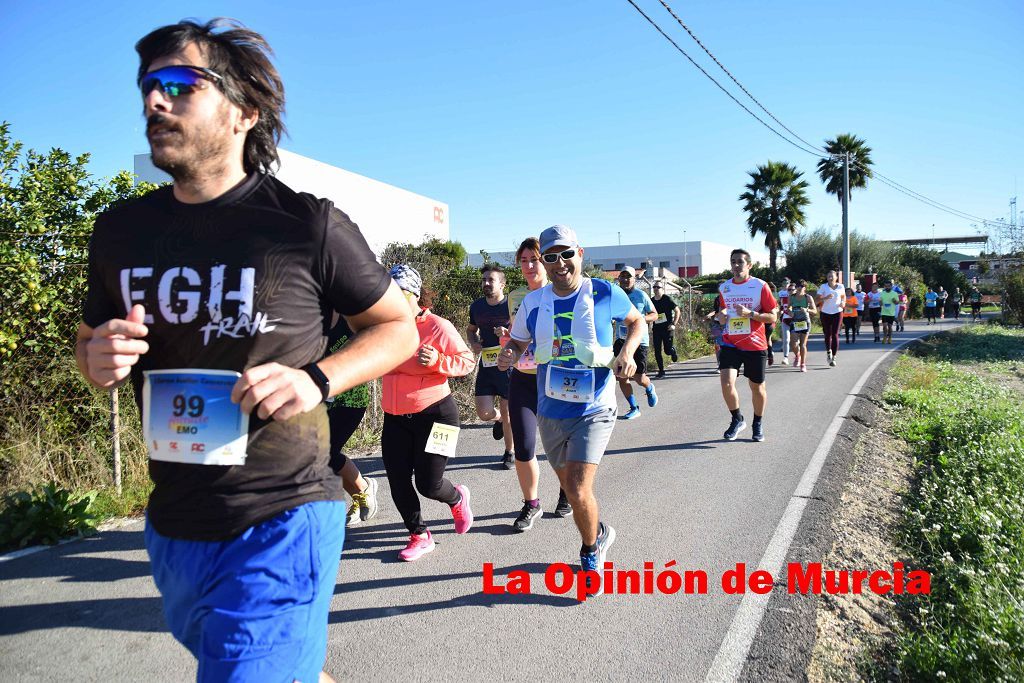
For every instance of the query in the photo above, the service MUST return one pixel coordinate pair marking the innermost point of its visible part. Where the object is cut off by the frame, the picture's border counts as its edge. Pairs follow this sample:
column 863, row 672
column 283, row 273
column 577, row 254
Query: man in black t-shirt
column 487, row 330
column 664, row 326
column 214, row 295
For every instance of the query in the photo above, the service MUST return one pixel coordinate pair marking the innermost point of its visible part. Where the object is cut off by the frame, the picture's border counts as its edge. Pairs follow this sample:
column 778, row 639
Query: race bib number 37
column 573, row 385
column 189, row 417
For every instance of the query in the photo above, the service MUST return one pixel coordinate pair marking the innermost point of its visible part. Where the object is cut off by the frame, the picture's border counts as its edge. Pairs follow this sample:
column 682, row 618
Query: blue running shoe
column 736, row 426
column 633, row 413
column 652, row 396
column 758, row 432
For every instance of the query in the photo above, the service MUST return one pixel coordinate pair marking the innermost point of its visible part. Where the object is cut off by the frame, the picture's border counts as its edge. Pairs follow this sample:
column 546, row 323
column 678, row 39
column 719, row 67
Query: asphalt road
column 669, row 484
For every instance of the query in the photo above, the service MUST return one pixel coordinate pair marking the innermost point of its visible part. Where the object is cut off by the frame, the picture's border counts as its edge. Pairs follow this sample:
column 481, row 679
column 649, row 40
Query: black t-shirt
column 487, row 317
column 248, row 278
column 664, row 305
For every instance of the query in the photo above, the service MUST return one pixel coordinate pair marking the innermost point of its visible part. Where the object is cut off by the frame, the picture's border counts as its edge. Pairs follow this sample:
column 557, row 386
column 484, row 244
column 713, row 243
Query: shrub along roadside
column 965, row 511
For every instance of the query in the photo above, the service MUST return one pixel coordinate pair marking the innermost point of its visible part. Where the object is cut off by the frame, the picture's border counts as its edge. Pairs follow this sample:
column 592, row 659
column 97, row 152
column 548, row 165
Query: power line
column 719, row 85
column 814, row 151
column 740, row 85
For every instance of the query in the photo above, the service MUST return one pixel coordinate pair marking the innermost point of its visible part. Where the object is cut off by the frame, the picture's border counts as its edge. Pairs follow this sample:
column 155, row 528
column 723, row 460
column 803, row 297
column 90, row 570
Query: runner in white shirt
column 831, row 300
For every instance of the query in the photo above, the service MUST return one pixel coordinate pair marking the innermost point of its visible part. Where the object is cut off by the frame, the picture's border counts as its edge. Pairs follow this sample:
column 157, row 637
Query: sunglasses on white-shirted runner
column 564, row 255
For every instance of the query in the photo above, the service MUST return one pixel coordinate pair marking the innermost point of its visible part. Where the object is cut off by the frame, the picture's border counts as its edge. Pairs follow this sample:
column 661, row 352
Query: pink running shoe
column 803, row 367
column 461, row 512
column 418, row 547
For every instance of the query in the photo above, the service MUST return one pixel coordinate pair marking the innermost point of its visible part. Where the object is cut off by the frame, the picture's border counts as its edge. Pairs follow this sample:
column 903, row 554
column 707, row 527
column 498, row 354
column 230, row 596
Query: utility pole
column 847, row 276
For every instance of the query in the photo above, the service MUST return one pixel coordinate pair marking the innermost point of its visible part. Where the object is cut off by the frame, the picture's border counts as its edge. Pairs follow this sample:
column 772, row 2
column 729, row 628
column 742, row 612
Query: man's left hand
column 276, row 392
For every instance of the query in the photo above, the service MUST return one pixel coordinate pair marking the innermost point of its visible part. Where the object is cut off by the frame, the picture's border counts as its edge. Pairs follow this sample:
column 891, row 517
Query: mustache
column 159, row 121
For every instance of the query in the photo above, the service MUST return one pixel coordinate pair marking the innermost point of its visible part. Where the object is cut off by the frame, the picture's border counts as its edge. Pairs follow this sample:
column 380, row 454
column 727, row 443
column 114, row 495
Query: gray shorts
column 576, row 439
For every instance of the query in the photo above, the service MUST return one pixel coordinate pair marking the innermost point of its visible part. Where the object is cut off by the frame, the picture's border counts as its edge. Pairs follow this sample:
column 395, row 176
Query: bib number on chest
column 527, row 362
column 189, row 417
column 442, row 440
column 489, row 356
column 739, row 325
column 662, row 318
column 573, row 385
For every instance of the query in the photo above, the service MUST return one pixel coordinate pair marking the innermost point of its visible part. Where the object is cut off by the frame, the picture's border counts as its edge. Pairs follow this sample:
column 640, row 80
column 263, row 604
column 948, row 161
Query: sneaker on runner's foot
column 832, row 361
column 652, row 396
column 417, row 547
column 633, row 413
column 461, row 511
column 508, row 460
column 758, row 432
column 736, row 425
column 785, row 360
column 594, row 562
column 497, row 431
column 563, row 509
column 368, row 505
column 526, row 518
column 353, row 518
column 660, row 375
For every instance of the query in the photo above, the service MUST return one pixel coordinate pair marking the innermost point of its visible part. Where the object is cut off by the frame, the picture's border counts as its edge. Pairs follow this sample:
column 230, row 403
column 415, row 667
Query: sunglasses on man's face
column 564, row 255
column 177, row 80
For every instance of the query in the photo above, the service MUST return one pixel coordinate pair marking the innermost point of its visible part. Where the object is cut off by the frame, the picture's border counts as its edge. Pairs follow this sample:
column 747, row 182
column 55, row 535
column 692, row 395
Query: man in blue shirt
column 931, row 300
column 644, row 305
column 569, row 322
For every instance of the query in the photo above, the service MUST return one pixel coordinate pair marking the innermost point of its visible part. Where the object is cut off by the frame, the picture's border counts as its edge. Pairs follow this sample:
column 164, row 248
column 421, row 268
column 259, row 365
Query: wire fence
column 55, row 427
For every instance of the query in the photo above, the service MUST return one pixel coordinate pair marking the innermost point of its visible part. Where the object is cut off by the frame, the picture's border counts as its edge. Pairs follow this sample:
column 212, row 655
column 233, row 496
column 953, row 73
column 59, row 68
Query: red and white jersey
column 743, row 333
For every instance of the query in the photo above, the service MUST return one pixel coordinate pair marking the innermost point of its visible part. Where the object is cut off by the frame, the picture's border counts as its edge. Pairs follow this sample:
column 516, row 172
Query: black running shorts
column 753, row 363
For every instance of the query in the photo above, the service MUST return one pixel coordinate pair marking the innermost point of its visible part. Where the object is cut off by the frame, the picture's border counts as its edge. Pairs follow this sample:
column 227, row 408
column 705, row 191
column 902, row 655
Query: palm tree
column 774, row 202
column 830, row 170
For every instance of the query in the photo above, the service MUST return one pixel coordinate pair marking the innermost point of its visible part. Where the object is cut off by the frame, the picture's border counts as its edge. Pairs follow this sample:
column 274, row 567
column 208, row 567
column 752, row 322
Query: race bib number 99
column 190, row 418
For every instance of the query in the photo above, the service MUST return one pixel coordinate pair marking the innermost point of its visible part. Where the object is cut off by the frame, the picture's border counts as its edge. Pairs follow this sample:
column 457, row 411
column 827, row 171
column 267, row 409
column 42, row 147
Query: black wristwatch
column 319, row 379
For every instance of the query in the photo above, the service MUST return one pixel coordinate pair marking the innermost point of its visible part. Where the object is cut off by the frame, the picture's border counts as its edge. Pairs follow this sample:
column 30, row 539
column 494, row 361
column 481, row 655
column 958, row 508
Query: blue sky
column 524, row 114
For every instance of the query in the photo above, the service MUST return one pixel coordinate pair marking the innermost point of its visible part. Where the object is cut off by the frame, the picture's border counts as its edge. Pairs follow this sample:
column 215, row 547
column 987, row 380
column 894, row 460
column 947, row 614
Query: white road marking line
column 732, row 654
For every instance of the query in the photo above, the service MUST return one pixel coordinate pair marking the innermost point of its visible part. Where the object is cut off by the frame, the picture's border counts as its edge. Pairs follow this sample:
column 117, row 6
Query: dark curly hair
column 250, row 80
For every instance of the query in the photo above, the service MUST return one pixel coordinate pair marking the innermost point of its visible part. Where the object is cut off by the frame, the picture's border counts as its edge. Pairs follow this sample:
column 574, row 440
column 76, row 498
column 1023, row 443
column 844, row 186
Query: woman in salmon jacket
column 421, row 420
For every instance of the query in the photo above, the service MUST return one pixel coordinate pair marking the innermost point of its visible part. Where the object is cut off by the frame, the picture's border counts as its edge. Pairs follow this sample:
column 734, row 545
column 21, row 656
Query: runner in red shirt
column 748, row 305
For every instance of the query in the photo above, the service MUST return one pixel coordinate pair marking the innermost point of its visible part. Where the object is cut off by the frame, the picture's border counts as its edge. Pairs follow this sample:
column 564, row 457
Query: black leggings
column 522, row 414
column 663, row 340
column 850, row 326
column 830, row 326
column 344, row 421
column 402, row 442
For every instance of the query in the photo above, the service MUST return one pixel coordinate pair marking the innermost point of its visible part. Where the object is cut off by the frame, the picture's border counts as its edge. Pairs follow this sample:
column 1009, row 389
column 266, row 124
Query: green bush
column 46, row 515
column 964, row 514
column 1013, row 302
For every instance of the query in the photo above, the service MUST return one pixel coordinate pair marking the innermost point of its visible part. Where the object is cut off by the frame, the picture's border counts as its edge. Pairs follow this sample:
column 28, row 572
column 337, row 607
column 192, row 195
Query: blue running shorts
column 254, row 608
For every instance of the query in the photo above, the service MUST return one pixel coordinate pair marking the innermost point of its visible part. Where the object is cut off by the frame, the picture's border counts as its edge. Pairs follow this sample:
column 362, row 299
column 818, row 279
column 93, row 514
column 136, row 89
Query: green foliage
column 47, row 206
column 813, row 253
column 965, row 512
column 51, row 422
column 933, row 269
column 774, row 202
column 1013, row 299
column 45, row 514
column 830, row 169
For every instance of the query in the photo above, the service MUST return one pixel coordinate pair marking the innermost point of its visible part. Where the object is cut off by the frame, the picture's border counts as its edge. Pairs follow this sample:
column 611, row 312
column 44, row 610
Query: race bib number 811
column 189, row 417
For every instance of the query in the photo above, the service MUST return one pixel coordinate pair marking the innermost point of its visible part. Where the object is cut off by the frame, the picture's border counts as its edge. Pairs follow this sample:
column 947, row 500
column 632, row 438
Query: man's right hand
column 115, row 347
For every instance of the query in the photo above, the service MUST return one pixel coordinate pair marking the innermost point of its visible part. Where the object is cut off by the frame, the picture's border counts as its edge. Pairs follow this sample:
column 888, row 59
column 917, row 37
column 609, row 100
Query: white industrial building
column 384, row 213
column 663, row 259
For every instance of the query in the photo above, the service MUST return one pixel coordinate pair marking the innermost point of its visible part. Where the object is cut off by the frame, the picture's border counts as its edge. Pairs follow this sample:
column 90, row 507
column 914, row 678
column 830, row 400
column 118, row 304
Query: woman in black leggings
column 522, row 398
column 421, row 420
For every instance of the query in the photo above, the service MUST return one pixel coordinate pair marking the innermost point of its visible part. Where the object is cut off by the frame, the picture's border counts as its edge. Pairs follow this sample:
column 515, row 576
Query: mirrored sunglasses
column 177, row 80
column 564, row 255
